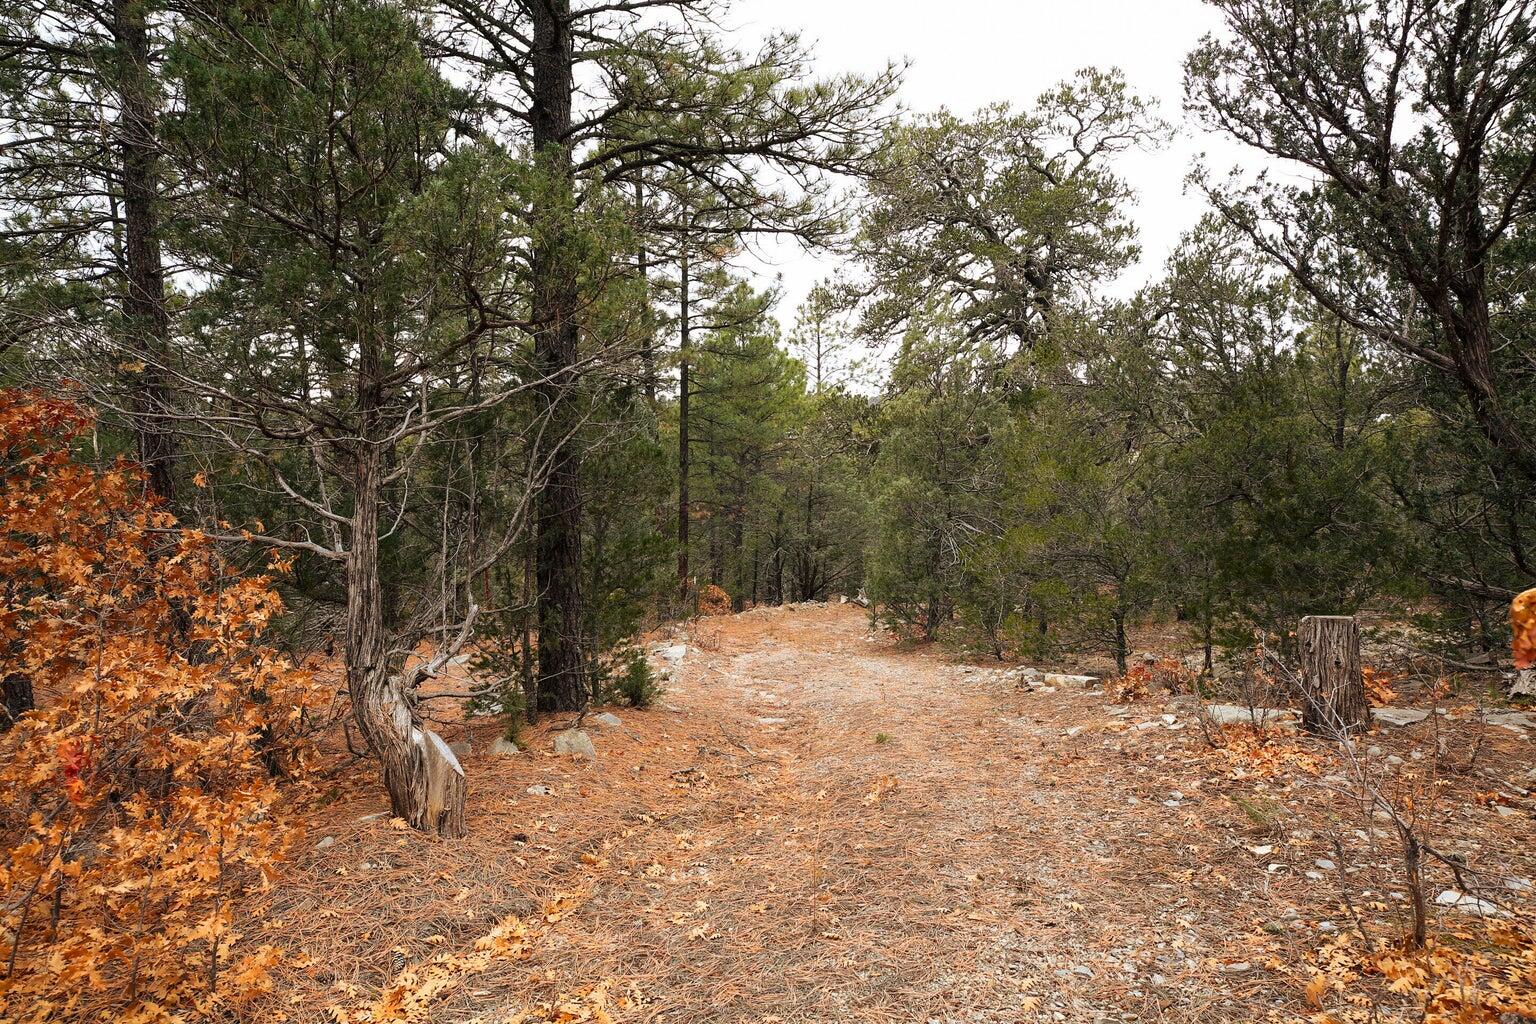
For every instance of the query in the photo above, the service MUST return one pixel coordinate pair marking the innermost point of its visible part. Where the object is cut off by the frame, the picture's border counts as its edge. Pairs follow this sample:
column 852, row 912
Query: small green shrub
column 882, row 738
column 633, row 682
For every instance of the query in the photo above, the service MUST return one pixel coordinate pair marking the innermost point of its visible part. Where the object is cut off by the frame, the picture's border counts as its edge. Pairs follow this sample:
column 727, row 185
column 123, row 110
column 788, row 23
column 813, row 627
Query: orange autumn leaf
column 138, row 791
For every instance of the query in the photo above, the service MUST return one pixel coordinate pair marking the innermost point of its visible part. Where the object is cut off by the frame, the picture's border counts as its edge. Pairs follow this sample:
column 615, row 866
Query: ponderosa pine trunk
column 146, row 322
column 556, row 303
column 684, row 344
column 424, row 780
column 1333, row 688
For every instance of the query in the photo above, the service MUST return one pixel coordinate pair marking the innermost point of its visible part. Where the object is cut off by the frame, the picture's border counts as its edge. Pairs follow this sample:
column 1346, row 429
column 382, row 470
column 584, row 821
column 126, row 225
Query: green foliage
column 935, row 478
column 633, row 682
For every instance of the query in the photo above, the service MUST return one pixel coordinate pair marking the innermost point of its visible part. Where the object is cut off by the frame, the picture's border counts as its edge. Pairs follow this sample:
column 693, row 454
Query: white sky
column 968, row 53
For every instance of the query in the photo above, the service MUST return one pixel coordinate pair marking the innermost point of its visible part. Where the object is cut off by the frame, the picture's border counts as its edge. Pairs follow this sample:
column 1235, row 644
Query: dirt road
column 817, row 824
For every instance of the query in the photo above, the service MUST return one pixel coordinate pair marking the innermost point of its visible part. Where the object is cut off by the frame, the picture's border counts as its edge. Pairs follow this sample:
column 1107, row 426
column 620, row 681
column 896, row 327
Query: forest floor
column 819, row 824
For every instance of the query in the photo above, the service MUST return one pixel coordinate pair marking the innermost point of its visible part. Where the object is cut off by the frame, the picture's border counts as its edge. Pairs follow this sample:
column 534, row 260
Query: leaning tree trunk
column 556, row 301
column 425, row 782
column 1333, row 688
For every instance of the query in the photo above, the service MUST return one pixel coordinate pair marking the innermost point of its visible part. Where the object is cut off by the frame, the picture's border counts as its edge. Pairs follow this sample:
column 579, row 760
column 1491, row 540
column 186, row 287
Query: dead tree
column 1333, row 689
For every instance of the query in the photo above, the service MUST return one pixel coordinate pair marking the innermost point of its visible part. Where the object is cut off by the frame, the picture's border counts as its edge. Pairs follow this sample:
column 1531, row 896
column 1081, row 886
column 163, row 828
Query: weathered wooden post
column 1333, row 690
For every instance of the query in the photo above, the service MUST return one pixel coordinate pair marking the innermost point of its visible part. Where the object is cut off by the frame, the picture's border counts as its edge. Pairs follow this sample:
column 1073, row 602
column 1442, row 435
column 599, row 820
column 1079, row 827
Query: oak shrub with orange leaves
column 143, row 791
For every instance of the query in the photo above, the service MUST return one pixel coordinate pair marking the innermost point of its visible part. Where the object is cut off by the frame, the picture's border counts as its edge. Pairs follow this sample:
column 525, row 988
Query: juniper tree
column 359, row 260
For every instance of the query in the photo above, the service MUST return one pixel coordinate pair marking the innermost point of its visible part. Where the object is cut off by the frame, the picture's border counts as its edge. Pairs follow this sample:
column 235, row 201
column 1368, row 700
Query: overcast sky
column 968, row 53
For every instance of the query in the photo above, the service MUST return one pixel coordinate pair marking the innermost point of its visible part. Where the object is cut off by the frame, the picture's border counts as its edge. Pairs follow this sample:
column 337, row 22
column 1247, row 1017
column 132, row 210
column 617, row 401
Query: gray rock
column 1471, row 904
column 674, row 653
column 326, row 843
column 1514, row 721
column 463, row 748
column 1062, row 679
column 380, row 816
column 540, row 790
column 1399, row 716
column 609, row 719
column 1524, row 684
column 503, row 746
column 575, row 743
column 1233, row 714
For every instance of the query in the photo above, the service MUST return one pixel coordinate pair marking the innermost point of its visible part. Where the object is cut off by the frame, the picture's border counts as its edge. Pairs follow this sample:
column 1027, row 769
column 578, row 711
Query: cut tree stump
column 442, row 802
column 1333, row 689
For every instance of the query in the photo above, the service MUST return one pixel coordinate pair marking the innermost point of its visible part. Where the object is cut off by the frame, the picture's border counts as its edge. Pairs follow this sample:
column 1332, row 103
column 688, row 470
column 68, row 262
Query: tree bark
column 1333, row 688
column 146, row 322
column 684, row 344
column 643, row 266
column 16, row 696
column 425, row 783
column 556, row 302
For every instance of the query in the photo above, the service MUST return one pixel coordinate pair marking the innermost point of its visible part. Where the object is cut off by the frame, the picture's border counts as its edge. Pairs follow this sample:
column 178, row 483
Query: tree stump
column 1333, row 689
column 441, row 806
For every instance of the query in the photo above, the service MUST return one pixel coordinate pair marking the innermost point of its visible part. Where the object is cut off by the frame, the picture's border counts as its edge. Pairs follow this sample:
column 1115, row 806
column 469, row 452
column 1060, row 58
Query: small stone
column 1232, row 714
column 575, row 743
column 1325, row 864
column 1399, row 716
column 772, row 721
column 326, row 843
column 1374, row 751
column 1316, row 876
column 1261, row 851
column 463, row 748
column 1514, row 721
column 1505, row 811
column 1086, row 972
column 1176, row 795
column 1062, row 679
column 1393, row 759
column 1237, row 968
column 608, row 719
column 540, row 790
column 380, row 816
column 1470, row 904
column 1327, row 927
column 503, row 746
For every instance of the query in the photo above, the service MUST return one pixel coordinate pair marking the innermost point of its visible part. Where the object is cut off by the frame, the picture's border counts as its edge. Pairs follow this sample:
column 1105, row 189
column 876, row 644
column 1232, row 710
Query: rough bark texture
column 556, row 302
column 16, row 693
column 684, row 513
column 1333, row 687
column 425, row 787
column 146, row 322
